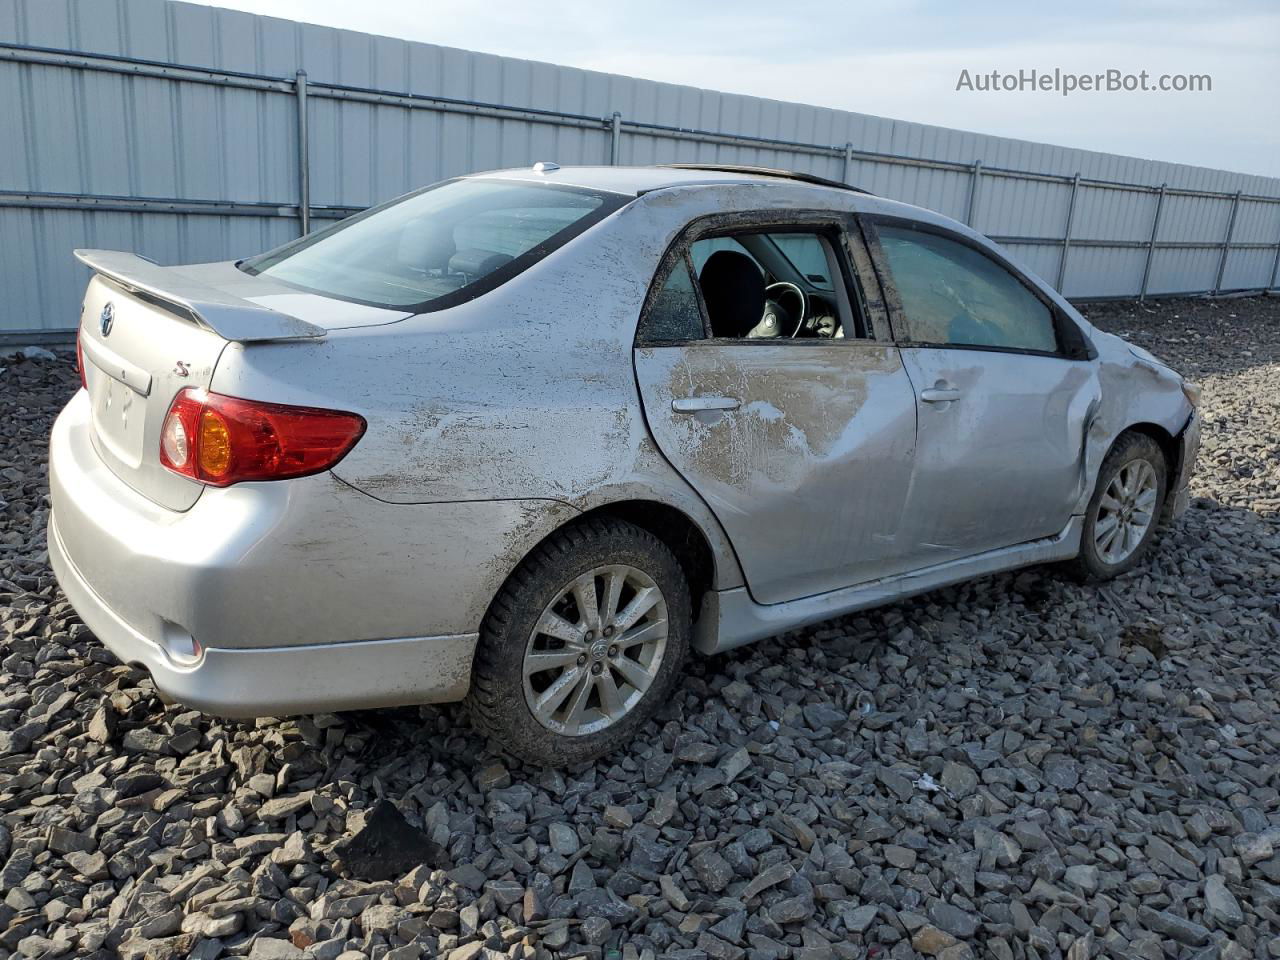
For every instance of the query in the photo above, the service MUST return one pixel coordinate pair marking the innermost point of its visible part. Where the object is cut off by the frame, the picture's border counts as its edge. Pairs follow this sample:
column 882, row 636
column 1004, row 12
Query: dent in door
column 1003, row 463
column 809, row 473
column 788, row 418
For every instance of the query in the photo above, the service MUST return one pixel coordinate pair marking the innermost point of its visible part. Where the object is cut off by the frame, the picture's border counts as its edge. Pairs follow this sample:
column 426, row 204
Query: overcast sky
column 901, row 59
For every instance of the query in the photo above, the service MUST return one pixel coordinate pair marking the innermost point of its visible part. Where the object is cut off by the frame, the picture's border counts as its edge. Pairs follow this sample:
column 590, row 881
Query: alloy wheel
column 1126, row 511
column 595, row 650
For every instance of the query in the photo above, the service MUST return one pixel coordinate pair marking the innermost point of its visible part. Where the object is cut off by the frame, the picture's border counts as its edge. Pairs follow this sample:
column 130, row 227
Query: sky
column 902, row 59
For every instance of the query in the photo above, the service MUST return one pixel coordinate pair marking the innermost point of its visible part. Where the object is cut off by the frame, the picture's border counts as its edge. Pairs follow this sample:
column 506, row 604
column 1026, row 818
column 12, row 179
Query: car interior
column 772, row 285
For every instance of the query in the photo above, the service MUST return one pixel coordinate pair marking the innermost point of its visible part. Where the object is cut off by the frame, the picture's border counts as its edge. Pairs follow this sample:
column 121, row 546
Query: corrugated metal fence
column 189, row 133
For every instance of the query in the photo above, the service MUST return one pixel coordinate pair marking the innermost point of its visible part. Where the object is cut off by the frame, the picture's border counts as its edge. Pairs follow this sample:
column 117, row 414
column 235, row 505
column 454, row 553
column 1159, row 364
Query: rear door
column 802, row 446
column 1003, row 391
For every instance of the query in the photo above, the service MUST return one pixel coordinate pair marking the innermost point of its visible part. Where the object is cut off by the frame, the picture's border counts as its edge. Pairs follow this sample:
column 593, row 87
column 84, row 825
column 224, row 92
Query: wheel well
column 681, row 535
column 1172, row 451
column 1167, row 443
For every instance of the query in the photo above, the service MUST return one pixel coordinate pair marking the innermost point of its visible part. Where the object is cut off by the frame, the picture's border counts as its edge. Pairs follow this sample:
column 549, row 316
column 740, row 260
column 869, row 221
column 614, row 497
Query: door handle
column 940, row 392
column 695, row 404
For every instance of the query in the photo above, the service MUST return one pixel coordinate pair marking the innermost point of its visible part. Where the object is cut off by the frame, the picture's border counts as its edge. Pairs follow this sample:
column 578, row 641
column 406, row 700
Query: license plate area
column 119, row 417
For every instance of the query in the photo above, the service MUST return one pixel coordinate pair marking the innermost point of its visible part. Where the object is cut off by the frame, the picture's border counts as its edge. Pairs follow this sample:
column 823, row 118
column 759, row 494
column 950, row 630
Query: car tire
column 545, row 591
column 1107, row 516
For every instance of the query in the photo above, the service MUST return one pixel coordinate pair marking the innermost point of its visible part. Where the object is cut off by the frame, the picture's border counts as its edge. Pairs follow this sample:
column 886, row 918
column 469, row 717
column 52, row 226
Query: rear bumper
column 302, row 595
column 278, row 681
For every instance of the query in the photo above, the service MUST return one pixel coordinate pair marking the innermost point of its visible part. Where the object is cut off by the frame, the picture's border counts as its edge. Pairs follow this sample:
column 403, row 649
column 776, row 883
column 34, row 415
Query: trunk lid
column 147, row 332
column 133, row 365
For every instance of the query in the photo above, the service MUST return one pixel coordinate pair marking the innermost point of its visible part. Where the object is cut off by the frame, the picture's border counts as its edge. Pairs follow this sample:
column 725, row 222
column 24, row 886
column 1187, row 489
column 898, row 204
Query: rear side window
column 674, row 313
column 438, row 247
column 953, row 294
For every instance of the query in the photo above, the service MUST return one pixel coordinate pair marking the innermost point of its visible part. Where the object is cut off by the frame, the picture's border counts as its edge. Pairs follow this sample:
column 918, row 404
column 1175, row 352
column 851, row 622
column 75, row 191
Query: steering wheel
column 786, row 289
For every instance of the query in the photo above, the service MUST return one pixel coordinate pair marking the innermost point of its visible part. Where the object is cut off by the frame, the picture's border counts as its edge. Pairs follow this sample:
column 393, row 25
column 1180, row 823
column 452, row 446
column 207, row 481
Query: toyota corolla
column 527, row 437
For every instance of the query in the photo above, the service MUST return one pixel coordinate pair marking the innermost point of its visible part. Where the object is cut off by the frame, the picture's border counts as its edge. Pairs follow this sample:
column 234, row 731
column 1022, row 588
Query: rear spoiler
column 230, row 317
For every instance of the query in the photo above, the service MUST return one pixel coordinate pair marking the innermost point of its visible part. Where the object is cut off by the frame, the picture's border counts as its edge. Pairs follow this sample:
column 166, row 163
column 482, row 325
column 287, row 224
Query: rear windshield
column 440, row 246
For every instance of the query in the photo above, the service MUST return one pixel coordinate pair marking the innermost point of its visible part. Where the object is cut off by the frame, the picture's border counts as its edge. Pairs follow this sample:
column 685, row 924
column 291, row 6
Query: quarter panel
column 1134, row 390
column 526, row 391
column 284, row 563
column 650, row 477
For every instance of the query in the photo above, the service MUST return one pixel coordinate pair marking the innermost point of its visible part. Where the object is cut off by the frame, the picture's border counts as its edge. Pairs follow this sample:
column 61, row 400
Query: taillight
column 80, row 359
column 224, row 440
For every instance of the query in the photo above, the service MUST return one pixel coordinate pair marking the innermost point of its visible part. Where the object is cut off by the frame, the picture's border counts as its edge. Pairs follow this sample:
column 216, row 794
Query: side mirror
column 1075, row 344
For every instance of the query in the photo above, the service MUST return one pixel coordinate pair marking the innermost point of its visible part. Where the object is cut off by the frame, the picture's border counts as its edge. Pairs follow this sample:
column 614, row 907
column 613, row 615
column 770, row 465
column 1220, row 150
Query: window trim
column 1072, row 342
column 611, row 203
column 826, row 223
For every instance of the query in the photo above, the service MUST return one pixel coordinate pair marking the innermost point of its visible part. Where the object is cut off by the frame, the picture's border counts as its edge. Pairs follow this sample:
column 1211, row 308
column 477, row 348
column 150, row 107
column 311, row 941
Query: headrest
column 733, row 289
column 427, row 244
column 477, row 263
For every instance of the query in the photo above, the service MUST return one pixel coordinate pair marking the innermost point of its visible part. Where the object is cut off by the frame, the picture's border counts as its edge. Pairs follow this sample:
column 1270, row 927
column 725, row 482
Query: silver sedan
column 526, row 437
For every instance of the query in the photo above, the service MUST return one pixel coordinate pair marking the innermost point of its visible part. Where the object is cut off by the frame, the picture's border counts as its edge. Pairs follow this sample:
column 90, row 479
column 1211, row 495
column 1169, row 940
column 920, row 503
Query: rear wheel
column 582, row 643
column 1124, row 512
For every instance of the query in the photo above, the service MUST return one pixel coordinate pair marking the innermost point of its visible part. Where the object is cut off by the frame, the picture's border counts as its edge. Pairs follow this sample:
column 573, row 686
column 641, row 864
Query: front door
column 1002, row 401
column 801, row 444
column 999, row 464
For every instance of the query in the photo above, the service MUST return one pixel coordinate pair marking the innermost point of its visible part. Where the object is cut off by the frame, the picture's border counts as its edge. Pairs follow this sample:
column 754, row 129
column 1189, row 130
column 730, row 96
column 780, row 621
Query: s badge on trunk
column 107, row 319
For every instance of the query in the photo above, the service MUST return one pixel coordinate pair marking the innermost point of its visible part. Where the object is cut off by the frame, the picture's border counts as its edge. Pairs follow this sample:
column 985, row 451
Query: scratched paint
column 809, row 475
column 1132, row 390
column 1002, row 463
column 496, row 421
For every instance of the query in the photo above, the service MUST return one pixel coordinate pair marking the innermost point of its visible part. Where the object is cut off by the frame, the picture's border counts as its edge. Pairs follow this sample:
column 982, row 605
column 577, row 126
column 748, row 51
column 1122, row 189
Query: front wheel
column 1124, row 511
column 582, row 644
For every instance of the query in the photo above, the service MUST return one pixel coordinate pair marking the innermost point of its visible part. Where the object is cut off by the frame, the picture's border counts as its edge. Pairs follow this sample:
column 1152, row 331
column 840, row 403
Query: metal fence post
column 1226, row 244
column 1151, row 244
column 1275, row 265
column 974, row 184
column 848, row 162
column 304, row 160
column 615, row 138
column 1066, row 234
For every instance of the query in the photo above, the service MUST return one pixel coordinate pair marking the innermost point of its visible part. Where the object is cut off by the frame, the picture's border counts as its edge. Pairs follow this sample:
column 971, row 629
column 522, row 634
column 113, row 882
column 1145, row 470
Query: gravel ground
column 1018, row 767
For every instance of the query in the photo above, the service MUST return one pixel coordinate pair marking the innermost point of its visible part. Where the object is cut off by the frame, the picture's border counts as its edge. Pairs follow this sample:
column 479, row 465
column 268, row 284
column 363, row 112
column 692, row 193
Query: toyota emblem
column 107, row 319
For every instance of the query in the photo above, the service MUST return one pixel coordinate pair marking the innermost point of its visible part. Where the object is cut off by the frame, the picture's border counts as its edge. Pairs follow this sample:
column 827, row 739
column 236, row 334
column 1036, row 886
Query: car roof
column 637, row 181
column 634, row 181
